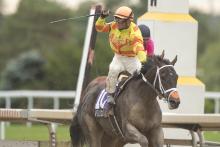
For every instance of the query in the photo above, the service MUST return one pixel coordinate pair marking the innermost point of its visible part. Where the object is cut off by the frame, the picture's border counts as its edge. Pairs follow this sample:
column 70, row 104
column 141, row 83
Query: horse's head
column 161, row 74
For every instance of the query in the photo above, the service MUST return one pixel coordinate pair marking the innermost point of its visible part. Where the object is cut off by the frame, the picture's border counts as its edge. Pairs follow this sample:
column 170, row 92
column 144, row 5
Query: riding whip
column 74, row 18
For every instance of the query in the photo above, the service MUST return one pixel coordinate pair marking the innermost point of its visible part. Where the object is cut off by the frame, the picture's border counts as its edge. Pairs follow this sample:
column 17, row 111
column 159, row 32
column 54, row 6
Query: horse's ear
column 162, row 55
column 174, row 60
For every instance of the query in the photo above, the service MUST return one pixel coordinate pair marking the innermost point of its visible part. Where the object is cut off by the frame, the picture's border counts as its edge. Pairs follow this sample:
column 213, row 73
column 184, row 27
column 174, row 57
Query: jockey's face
column 122, row 23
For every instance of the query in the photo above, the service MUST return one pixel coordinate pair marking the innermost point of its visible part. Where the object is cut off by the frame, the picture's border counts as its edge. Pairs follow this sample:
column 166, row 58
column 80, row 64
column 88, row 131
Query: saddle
column 101, row 106
column 123, row 79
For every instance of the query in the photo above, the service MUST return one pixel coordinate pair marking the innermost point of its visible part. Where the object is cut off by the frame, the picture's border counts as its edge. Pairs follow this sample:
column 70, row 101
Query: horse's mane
column 153, row 61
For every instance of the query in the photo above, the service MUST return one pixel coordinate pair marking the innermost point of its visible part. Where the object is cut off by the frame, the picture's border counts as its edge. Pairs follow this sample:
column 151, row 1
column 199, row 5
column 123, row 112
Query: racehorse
column 137, row 110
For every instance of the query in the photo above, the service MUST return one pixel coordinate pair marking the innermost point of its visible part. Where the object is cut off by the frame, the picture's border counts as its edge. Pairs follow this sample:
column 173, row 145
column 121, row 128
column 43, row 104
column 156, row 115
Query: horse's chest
column 138, row 116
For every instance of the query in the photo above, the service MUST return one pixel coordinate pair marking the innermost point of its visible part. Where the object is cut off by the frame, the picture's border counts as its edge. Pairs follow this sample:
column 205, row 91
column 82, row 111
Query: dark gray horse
column 137, row 110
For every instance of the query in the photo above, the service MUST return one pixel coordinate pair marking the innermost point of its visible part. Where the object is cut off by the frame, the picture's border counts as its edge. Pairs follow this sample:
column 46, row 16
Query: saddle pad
column 101, row 102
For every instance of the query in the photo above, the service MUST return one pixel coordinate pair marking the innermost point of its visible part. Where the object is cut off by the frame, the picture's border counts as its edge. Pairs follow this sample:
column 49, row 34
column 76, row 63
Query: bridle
column 162, row 91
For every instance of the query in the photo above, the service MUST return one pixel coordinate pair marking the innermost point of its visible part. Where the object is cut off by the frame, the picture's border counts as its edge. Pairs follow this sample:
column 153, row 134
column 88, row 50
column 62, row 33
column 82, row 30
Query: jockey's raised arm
column 126, row 42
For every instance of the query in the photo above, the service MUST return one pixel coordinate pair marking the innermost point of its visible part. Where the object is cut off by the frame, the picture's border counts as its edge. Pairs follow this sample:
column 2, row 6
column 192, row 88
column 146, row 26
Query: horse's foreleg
column 156, row 137
column 134, row 136
column 108, row 141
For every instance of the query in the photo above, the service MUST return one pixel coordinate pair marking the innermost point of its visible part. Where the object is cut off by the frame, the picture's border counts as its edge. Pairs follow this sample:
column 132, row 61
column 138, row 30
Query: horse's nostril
column 173, row 104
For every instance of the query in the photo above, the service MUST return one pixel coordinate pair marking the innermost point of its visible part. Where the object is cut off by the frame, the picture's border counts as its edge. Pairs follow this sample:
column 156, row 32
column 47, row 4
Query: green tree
column 208, row 50
column 61, row 43
column 209, row 63
column 206, row 31
column 21, row 71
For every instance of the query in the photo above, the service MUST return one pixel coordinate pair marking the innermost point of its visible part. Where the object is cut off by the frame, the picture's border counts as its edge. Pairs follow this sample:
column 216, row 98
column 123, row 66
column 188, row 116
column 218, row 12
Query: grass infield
column 40, row 132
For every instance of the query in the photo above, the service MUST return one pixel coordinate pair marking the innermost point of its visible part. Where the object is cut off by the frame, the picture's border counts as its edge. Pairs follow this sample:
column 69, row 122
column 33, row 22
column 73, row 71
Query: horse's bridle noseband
column 162, row 92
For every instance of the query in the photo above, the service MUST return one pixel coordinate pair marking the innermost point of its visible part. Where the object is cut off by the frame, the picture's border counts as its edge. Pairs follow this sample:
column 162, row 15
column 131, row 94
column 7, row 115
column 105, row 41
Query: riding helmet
column 124, row 12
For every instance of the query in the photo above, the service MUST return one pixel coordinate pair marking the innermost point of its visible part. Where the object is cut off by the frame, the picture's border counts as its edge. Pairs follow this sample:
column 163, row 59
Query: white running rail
column 57, row 95
column 31, row 95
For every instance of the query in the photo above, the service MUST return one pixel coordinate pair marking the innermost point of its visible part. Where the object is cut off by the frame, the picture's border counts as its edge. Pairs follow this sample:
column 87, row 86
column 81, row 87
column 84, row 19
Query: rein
column 161, row 93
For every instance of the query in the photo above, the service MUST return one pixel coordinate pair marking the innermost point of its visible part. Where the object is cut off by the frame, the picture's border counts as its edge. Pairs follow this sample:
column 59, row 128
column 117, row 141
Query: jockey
column 148, row 42
column 127, row 44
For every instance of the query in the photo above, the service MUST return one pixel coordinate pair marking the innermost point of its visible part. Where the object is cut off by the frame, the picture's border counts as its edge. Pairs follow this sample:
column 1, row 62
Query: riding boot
column 110, row 99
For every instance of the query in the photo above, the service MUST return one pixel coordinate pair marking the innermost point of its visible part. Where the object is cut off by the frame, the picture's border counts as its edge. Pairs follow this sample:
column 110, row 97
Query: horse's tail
column 76, row 133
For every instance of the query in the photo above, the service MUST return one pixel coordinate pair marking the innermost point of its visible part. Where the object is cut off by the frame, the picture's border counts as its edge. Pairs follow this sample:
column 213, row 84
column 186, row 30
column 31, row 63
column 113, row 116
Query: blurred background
column 38, row 55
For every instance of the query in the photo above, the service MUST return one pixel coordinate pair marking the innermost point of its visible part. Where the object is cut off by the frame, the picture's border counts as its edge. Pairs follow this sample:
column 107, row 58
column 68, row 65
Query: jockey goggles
column 120, row 20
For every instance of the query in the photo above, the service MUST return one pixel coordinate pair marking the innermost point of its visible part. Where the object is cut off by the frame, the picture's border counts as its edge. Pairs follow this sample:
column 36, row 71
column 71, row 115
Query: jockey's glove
column 142, row 56
column 105, row 13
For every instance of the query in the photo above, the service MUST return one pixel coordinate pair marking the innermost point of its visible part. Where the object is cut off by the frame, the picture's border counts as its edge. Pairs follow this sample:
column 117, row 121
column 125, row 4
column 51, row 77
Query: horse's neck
column 139, row 97
column 143, row 90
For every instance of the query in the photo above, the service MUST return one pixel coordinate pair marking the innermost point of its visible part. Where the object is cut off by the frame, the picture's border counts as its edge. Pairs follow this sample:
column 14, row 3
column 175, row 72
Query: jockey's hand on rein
column 105, row 13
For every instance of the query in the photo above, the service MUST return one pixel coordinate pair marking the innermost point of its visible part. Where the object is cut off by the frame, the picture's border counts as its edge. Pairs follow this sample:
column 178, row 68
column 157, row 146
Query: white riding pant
column 120, row 63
